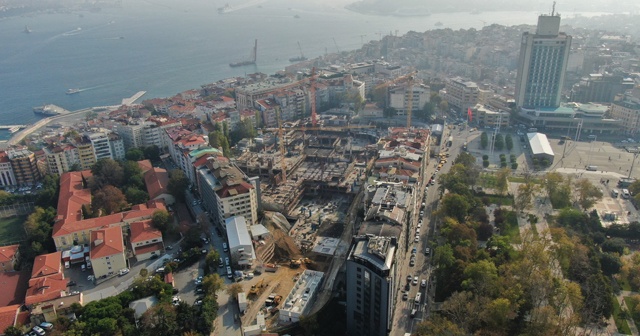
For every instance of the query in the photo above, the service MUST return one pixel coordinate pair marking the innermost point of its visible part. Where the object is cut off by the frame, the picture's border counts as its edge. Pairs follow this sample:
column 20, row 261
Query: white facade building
column 240, row 245
column 300, row 299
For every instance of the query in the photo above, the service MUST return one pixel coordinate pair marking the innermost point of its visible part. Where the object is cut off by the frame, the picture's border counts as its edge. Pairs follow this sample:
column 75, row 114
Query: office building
column 370, row 285
column 627, row 110
column 300, row 300
column 542, row 64
column 399, row 98
column 460, row 93
column 599, row 88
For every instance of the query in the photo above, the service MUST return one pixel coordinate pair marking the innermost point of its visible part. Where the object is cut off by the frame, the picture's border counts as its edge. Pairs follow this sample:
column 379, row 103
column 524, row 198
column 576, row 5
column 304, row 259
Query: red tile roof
column 156, row 180
column 7, row 253
column 137, row 211
column 148, row 248
column 145, row 165
column 168, row 278
column 8, row 316
column 234, row 190
column 143, row 231
column 14, row 285
column 72, row 196
column 106, row 242
column 45, row 289
column 47, row 264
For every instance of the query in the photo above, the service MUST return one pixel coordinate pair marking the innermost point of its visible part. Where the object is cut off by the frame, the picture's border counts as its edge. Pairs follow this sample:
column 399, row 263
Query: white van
column 625, row 193
column 418, row 297
column 592, row 168
column 615, row 193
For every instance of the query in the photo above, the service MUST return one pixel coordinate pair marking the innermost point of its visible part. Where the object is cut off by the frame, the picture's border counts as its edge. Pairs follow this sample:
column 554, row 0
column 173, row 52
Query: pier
column 129, row 101
column 6, row 127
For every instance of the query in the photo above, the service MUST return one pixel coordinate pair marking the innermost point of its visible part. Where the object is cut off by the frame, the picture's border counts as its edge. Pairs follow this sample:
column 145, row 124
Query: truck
column 270, row 268
column 449, row 141
column 242, row 302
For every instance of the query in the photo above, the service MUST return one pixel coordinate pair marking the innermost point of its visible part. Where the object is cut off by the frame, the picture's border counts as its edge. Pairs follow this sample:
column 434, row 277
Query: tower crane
column 410, row 80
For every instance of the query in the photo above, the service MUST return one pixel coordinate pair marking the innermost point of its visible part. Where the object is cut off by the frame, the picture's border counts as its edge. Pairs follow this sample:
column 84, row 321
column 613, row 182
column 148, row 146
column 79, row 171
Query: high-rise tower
column 542, row 64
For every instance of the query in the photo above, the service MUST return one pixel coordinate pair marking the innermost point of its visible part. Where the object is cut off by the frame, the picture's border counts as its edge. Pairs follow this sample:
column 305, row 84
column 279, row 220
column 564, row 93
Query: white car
column 123, row 271
column 415, row 281
column 423, row 283
column 419, row 225
column 39, row 331
column 417, row 239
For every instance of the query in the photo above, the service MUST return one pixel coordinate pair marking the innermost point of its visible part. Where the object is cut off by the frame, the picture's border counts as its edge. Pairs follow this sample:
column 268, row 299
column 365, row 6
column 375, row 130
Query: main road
column 403, row 322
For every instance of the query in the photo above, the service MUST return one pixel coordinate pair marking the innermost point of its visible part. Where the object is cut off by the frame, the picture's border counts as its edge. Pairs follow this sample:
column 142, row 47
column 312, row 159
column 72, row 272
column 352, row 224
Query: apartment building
column 486, row 115
column 7, row 178
column 226, row 191
column 371, row 288
column 24, row 165
column 61, row 159
column 86, row 155
column 628, row 111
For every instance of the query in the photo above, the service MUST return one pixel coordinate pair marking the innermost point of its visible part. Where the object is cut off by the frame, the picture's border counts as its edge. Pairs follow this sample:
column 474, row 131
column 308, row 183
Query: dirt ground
column 279, row 283
column 286, row 249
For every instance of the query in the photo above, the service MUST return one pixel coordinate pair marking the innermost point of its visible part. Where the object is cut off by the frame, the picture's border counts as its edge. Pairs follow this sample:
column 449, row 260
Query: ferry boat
column 73, row 91
column 27, row 30
column 47, row 110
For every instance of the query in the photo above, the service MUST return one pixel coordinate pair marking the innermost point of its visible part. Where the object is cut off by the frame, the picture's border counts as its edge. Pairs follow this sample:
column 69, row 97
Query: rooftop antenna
column 553, row 9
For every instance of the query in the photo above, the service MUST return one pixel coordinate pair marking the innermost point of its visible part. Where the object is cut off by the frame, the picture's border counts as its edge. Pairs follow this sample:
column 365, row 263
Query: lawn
column 511, row 228
column 631, row 302
column 621, row 323
column 623, row 282
column 519, row 179
column 11, row 230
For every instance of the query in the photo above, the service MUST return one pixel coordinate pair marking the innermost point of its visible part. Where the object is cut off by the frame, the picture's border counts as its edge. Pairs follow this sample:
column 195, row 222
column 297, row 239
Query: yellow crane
column 410, row 80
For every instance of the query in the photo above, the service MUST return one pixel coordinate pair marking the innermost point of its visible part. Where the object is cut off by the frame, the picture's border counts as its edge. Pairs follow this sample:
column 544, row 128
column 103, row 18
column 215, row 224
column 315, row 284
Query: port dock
column 6, row 127
column 129, row 101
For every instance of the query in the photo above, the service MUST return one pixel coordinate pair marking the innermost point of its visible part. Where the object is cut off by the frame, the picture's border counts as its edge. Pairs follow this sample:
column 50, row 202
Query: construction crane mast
column 409, row 79
column 283, row 164
column 312, row 97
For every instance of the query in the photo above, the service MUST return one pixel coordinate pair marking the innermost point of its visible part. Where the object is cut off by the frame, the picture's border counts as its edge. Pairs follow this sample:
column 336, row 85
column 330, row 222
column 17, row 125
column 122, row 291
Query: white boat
column 73, row 91
column 14, row 129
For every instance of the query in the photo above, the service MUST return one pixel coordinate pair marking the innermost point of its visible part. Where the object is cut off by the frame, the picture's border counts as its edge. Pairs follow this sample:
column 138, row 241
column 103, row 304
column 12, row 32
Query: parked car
column 39, row 331
column 423, row 283
column 123, row 271
column 46, row 325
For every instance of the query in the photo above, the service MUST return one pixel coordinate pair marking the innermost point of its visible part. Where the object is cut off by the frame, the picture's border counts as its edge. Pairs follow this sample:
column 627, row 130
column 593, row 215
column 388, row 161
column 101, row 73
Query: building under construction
column 317, row 161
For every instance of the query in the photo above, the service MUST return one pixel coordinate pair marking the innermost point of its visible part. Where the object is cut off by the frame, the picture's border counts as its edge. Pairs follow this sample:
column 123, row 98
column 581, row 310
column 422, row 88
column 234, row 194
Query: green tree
column 12, row 331
column 499, row 142
column 455, row 206
column 234, row 289
column 178, row 184
column 481, row 277
column 211, row 260
column 587, row 193
column 134, row 154
column 132, row 175
column 106, row 172
column 212, row 283
column 160, row 320
column 309, row 324
column 502, row 180
column 152, row 152
column 508, row 141
column 110, row 199
column 136, row 196
column 438, row 325
column 610, row 264
column 217, row 139
column 484, row 140
column 161, row 220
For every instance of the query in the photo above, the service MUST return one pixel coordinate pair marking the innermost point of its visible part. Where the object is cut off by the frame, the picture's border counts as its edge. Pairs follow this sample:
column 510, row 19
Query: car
column 199, row 290
column 417, row 239
column 71, row 283
column 424, row 204
column 417, row 231
column 419, row 225
column 204, row 251
column 177, row 260
column 226, row 261
column 39, row 331
column 225, row 248
column 427, row 251
column 414, row 250
column 83, row 267
column 412, row 262
column 46, row 325
column 198, row 282
column 423, row 283
column 405, row 296
column 124, row 271
column 200, row 277
column 409, row 277
column 219, row 232
column 169, row 247
column 415, row 280
column 198, row 302
column 433, row 182
column 413, row 312
column 89, row 264
column 91, row 278
column 160, row 270
column 407, row 287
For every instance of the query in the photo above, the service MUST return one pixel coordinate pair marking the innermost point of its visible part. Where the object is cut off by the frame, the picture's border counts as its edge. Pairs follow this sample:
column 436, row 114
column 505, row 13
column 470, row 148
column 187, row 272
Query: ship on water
column 73, row 91
column 252, row 61
column 27, row 30
column 49, row 110
column 225, row 9
column 14, row 129
column 298, row 58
